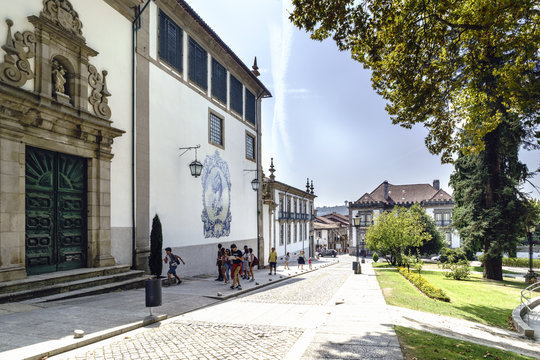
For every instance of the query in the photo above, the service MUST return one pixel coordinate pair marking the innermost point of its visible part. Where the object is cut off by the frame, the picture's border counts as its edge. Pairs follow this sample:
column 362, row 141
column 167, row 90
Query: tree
column 489, row 217
column 436, row 242
column 393, row 232
column 156, row 243
column 467, row 70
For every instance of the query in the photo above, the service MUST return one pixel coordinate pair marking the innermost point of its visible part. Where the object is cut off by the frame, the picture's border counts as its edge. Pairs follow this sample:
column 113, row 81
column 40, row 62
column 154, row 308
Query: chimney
column 385, row 187
column 436, row 184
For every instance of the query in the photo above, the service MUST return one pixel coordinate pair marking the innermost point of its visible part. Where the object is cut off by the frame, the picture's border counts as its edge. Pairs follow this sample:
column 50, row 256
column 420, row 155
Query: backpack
column 255, row 261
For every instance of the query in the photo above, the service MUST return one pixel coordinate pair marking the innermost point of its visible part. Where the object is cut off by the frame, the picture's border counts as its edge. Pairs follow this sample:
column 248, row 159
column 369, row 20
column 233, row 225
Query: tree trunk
column 493, row 268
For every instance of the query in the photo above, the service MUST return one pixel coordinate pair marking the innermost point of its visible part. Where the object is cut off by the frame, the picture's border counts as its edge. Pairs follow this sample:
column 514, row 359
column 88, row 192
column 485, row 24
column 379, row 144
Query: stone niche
column 67, row 112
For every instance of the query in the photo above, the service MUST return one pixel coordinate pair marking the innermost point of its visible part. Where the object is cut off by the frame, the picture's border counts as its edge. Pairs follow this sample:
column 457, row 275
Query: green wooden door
column 55, row 211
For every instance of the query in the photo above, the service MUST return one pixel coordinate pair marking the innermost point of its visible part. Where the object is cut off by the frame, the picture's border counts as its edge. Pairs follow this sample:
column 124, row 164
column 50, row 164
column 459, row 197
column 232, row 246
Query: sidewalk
column 357, row 326
column 31, row 331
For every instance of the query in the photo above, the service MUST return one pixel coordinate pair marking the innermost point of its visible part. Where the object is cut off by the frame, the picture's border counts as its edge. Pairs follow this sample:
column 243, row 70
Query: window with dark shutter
column 250, row 107
column 170, row 41
column 236, row 95
column 219, row 81
column 198, row 64
column 216, row 130
column 250, row 147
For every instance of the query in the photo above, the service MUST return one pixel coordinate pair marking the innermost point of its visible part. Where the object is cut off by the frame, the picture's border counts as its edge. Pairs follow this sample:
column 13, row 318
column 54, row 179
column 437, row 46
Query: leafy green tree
column 394, row 231
column 436, row 242
column 468, row 71
column 489, row 217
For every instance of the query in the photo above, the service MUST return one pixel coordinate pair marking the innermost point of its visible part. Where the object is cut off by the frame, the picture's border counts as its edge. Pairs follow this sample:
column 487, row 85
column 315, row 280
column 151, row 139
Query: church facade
column 96, row 100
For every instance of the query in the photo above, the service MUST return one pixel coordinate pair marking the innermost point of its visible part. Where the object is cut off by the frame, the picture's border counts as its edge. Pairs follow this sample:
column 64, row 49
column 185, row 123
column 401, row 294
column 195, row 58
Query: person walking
column 252, row 261
column 173, row 261
column 272, row 259
column 228, row 263
column 301, row 260
column 245, row 264
column 236, row 257
column 219, row 263
column 287, row 258
column 223, row 259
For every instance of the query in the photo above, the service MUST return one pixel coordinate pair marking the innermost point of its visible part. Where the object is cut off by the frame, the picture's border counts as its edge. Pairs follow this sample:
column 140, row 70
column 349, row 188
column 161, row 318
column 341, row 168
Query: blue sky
column 324, row 122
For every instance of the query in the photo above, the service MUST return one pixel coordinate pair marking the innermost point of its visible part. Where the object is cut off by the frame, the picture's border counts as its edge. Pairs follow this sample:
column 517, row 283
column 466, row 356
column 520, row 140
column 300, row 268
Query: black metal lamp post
column 357, row 268
column 531, row 276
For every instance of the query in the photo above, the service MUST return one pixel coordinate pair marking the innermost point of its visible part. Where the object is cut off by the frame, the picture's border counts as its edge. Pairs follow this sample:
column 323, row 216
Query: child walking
column 287, row 258
column 173, row 261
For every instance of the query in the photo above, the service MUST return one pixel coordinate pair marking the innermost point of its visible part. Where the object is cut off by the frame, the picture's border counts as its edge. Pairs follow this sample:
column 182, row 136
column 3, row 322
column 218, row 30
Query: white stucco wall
column 179, row 116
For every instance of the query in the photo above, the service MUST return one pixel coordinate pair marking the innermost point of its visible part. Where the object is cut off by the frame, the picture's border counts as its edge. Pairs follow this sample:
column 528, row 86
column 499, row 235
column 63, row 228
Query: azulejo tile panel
column 216, row 183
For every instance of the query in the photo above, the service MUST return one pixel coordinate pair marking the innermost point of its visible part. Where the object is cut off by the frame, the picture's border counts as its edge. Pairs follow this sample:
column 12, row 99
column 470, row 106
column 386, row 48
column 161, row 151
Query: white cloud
column 280, row 44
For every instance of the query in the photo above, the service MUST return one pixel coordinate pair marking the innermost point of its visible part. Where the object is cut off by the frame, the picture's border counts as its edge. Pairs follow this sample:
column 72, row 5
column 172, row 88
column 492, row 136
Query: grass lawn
column 471, row 268
column 423, row 345
column 475, row 299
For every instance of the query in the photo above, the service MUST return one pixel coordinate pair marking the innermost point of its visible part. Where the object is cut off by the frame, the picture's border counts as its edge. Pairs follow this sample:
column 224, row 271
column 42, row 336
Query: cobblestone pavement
column 262, row 325
column 312, row 290
column 200, row 340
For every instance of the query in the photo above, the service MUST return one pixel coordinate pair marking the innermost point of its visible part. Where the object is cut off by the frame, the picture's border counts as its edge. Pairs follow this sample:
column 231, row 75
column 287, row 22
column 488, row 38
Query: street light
column 531, row 276
column 356, row 224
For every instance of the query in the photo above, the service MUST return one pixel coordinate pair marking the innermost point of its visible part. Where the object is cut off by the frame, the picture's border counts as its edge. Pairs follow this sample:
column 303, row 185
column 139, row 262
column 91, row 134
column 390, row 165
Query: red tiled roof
column 414, row 193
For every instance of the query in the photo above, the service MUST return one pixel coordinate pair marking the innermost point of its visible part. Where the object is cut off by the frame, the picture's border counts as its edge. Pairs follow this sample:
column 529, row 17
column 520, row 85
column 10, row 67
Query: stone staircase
column 71, row 284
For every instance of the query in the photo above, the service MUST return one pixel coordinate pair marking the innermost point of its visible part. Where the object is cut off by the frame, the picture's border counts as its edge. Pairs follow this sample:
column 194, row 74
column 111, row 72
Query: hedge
column 423, row 285
column 515, row 262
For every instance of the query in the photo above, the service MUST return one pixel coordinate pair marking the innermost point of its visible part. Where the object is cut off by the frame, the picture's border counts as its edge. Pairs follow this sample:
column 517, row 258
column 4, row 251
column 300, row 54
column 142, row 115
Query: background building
column 288, row 215
column 437, row 203
column 332, row 231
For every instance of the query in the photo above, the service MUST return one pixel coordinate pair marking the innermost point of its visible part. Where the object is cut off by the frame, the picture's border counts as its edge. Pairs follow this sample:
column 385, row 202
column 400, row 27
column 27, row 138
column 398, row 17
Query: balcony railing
column 443, row 222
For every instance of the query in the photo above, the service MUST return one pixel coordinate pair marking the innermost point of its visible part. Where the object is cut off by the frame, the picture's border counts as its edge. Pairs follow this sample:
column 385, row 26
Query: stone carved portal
column 58, row 115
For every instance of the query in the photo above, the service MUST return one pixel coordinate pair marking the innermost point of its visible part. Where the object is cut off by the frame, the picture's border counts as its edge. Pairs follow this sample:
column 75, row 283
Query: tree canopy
column 435, row 244
column 457, row 67
column 395, row 231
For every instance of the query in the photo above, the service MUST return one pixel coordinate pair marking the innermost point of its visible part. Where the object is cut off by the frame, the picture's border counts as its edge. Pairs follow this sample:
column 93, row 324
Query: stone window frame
column 442, row 217
column 254, row 146
column 211, row 115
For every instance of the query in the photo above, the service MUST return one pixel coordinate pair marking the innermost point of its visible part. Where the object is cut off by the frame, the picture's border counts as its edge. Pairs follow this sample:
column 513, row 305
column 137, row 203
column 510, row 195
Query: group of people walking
column 234, row 264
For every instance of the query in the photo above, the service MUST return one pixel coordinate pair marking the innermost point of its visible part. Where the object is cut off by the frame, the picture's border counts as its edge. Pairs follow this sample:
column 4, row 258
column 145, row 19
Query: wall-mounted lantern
column 195, row 167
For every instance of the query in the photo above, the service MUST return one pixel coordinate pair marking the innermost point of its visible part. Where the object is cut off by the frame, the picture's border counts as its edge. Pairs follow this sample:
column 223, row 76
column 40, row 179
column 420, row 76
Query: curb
column 35, row 351
column 517, row 317
column 68, row 343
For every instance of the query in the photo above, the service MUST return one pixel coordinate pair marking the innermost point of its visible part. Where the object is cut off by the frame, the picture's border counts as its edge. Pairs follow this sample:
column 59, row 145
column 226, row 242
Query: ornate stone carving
column 61, row 13
column 98, row 97
column 19, row 48
column 59, row 77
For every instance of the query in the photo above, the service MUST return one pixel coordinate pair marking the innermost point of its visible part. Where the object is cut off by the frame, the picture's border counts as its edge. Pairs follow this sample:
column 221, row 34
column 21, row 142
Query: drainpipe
column 135, row 26
column 257, row 161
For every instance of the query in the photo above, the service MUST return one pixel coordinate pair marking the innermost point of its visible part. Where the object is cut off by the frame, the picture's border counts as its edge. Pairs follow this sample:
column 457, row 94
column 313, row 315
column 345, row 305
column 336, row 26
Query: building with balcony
column 288, row 215
column 437, row 203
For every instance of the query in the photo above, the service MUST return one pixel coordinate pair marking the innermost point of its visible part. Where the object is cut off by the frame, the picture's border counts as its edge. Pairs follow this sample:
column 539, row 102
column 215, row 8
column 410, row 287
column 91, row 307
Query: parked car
column 436, row 258
column 328, row 252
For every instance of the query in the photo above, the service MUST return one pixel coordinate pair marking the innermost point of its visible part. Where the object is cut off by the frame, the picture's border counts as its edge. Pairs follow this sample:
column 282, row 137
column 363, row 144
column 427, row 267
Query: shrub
column 418, row 264
column 156, row 243
column 375, row 257
column 423, row 285
column 457, row 271
column 452, row 255
column 514, row 262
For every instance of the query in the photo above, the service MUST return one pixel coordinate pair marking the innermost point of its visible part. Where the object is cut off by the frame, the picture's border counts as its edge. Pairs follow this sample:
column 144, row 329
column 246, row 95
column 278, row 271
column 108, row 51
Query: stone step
column 134, row 283
column 130, row 279
column 37, row 281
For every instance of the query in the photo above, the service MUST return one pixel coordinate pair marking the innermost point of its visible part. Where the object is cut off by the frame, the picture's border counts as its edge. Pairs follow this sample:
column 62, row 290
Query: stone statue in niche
column 19, row 48
column 59, row 78
column 98, row 97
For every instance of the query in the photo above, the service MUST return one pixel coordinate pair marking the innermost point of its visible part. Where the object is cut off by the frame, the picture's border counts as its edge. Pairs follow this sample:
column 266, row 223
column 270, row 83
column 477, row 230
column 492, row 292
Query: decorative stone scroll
column 99, row 95
column 61, row 13
column 19, row 48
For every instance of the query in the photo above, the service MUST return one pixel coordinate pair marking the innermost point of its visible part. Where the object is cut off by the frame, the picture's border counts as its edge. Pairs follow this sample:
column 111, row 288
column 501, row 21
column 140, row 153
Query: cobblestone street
column 278, row 322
